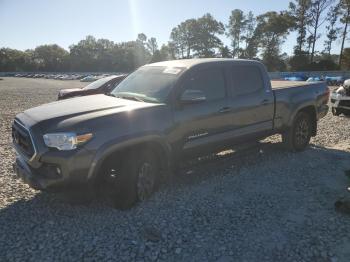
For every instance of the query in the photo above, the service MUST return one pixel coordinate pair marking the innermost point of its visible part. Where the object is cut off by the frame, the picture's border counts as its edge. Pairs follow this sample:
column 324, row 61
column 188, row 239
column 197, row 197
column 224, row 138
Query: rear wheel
column 133, row 179
column 297, row 138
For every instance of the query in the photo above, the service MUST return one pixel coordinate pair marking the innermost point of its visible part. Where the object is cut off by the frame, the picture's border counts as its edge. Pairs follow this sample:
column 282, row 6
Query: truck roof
column 187, row 63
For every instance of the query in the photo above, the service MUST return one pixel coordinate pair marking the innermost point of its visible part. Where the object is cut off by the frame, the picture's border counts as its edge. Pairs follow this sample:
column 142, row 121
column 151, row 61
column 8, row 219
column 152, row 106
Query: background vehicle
column 101, row 86
column 340, row 100
column 334, row 80
column 88, row 78
column 159, row 115
column 314, row 79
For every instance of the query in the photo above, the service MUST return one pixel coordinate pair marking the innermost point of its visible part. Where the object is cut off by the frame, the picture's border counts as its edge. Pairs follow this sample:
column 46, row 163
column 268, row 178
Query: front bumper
column 340, row 101
column 22, row 171
column 55, row 171
column 342, row 104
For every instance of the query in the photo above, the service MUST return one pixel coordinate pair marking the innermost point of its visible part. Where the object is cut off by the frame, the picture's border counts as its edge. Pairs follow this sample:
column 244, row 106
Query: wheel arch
column 311, row 111
column 156, row 144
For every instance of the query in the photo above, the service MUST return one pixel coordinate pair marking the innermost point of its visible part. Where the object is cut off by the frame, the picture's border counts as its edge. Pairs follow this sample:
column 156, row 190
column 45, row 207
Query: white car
column 340, row 100
column 88, row 79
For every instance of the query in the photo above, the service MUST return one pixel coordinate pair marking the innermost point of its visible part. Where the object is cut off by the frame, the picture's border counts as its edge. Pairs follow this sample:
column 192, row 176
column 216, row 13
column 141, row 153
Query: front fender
column 123, row 143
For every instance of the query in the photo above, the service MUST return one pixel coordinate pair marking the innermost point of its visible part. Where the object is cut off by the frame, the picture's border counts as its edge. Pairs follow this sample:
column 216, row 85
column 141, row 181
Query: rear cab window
column 246, row 79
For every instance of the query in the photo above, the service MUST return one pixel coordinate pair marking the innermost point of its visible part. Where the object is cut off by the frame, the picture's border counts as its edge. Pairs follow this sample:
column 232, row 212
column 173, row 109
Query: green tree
column 317, row 9
column 129, row 55
column 332, row 30
column 248, row 36
column 142, row 38
column 346, row 59
column 299, row 61
column 141, row 54
column 197, row 37
column 152, row 45
column 344, row 19
column 183, row 37
column 299, row 10
column 206, row 39
column 11, row 60
column 166, row 52
column 236, row 27
column 29, row 63
column 83, row 55
column 51, row 58
column 272, row 29
column 104, row 58
column 171, row 50
column 225, row 52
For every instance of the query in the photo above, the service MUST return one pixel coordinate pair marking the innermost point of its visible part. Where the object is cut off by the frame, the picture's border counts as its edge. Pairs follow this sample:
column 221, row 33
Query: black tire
column 133, row 179
column 297, row 138
column 336, row 112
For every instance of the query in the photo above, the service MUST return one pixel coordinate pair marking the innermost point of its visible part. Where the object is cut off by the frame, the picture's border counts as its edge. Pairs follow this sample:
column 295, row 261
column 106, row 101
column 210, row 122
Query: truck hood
column 70, row 90
column 79, row 106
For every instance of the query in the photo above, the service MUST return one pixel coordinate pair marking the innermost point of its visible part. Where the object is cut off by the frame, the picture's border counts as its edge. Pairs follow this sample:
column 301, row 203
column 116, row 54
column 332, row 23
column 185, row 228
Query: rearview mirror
column 190, row 96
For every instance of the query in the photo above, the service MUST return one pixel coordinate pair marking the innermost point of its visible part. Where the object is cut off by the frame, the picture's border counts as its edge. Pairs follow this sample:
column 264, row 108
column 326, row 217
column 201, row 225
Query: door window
column 209, row 81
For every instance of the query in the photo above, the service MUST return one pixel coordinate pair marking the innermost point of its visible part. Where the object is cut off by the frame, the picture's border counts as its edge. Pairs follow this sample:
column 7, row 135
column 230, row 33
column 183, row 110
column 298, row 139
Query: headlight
column 65, row 141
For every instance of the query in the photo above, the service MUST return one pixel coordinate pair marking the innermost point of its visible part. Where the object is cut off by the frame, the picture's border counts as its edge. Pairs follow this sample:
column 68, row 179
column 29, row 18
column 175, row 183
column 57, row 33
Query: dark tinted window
column 210, row 81
column 246, row 79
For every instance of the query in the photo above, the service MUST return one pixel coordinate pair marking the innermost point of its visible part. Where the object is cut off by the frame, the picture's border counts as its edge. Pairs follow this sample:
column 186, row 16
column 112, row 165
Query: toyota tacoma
column 159, row 115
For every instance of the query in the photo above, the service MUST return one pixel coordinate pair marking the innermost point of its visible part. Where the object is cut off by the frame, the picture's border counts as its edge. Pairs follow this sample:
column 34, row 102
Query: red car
column 101, row 86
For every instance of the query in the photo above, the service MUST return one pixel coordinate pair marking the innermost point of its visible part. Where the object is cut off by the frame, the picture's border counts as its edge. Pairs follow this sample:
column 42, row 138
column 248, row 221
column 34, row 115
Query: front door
column 201, row 124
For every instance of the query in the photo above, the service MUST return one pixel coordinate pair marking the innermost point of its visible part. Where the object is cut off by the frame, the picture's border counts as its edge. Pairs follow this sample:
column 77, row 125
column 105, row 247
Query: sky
column 27, row 24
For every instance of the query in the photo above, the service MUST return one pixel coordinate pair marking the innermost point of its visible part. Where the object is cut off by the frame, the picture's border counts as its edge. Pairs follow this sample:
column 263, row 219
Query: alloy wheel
column 146, row 181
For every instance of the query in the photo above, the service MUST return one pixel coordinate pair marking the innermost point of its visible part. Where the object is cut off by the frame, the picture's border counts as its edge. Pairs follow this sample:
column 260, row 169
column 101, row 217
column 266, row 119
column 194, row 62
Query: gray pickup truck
column 156, row 117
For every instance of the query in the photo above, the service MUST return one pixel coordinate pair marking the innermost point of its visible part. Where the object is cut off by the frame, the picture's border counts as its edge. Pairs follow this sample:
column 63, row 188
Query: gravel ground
column 262, row 205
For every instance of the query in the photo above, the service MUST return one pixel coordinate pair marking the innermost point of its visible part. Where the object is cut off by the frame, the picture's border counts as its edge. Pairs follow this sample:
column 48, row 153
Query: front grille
column 21, row 138
column 344, row 103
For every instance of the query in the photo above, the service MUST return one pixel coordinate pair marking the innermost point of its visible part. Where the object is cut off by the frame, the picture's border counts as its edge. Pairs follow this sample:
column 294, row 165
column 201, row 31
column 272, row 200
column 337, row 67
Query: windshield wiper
column 109, row 94
column 135, row 98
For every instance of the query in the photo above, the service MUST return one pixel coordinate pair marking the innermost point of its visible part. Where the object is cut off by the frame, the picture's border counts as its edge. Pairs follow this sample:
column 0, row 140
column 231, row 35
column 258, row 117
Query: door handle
column 225, row 109
column 264, row 102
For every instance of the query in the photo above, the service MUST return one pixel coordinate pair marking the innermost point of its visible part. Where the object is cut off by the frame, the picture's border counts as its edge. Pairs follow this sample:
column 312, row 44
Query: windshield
column 149, row 83
column 98, row 83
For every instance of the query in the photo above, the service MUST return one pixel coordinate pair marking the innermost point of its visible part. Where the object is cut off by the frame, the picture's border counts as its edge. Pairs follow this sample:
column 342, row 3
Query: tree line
column 252, row 37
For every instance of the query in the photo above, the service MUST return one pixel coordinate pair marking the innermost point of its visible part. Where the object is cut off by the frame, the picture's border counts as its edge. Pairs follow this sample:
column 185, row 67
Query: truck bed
column 278, row 84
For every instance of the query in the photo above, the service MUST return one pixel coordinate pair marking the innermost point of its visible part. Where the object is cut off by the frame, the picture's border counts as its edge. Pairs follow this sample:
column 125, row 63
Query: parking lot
column 264, row 204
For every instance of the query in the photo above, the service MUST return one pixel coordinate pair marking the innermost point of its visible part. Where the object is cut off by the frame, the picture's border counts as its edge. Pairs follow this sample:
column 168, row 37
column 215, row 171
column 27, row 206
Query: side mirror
column 191, row 96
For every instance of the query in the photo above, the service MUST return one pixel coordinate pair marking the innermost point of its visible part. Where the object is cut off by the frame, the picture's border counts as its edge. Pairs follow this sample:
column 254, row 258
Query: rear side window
column 246, row 79
column 210, row 81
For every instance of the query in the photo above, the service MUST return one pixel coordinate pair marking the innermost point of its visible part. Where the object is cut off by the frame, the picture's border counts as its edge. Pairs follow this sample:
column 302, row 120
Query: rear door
column 200, row 124
column 252, row 103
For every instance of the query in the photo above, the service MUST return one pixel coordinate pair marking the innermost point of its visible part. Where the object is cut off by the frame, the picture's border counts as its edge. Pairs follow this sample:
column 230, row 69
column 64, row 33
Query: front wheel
column 298, row 136
column 133, row 179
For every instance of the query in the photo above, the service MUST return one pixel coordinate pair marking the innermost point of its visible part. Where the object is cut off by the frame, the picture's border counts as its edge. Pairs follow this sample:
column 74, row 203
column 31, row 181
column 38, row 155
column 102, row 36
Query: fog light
column 51, row 171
